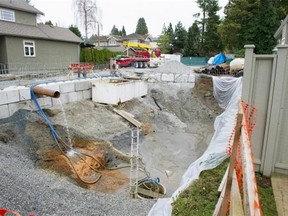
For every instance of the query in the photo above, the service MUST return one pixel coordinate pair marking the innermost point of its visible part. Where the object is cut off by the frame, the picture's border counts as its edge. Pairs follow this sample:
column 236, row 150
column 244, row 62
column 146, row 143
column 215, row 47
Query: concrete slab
column 280, row 190
column 4, row 111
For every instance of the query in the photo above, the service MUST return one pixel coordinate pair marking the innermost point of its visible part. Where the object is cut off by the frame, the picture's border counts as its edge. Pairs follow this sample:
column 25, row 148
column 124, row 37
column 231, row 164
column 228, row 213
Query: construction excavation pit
column 82, row 162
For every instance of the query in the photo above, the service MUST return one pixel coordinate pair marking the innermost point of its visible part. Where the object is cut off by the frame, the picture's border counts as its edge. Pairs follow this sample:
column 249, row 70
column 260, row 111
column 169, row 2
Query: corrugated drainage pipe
column 47, row 92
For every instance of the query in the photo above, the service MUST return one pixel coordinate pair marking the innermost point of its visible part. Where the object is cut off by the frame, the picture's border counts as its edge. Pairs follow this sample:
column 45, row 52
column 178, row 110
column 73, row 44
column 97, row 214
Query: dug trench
column 177, row 127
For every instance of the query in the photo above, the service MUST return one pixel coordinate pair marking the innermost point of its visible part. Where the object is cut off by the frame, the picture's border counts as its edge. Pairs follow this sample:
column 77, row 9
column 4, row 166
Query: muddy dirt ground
column 37, row 178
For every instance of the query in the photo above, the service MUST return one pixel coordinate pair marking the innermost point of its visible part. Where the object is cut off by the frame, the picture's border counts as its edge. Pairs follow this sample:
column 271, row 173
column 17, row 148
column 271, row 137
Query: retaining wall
column 18, row 97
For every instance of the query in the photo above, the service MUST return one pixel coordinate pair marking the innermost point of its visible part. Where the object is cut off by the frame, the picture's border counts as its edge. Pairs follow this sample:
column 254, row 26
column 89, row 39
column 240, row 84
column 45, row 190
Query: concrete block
column 167, row 77
column 24, row 93
column 51, row 86
column 87, row 94
column 192, row 78
column 80, row 96
column 83, row 85
column 67, row 86
column 4, row 111
column 3, row 97
column 181, row 78
column 10, row 95
column 45, row 102
column 14, row 107
column 64, row 98
column 73, row 97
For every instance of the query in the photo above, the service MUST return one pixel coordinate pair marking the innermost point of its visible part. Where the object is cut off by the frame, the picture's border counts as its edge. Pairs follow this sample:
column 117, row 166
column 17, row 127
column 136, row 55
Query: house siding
column 47, row 52
column 3, row 56
column 25, row 18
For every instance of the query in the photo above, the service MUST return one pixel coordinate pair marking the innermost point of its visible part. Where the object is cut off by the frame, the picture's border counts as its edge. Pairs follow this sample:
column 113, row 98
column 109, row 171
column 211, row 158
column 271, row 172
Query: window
column 29, row 48
column 112, row 42
column 7, row 15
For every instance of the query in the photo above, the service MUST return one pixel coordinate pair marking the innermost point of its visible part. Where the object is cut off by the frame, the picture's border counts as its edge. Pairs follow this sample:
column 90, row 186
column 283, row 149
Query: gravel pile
column 174, row 66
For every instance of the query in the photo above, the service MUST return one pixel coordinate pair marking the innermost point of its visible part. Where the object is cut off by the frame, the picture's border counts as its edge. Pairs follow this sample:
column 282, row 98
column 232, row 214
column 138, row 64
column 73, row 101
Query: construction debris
column 221, row 69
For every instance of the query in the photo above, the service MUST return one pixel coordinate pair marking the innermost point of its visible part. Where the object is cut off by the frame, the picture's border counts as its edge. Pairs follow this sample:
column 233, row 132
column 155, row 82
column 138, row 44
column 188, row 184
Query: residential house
column 118, row 43
column 24, row 42
column 137, row 38
column 111, row 42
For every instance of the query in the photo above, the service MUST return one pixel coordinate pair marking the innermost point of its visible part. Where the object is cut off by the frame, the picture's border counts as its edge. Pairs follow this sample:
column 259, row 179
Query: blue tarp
column 219, row 59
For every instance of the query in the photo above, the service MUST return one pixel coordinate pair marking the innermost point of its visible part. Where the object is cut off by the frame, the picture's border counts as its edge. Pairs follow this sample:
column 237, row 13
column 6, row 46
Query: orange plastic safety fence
column 248, row 124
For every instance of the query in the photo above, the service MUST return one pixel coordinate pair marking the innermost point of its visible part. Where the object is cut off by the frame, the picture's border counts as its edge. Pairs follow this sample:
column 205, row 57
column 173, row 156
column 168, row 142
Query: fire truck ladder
column 134, row 162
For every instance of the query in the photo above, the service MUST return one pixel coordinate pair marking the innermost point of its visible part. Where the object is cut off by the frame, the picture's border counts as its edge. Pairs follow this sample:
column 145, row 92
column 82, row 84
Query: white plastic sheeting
column 224, row 90
column 227, row 91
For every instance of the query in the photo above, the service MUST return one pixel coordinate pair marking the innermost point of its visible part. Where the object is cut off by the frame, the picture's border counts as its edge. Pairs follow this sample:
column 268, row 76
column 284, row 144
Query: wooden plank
column 128, row 117
column 225, row 203
column 127, row 113
column 224, row 179
column 220, row 200
column 236, row 207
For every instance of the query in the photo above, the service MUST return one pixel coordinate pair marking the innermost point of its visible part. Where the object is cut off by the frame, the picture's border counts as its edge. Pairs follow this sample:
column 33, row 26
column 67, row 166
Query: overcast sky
column 124, row 12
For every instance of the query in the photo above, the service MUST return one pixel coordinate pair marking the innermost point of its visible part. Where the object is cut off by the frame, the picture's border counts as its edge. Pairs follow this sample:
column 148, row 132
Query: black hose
column 155, row 101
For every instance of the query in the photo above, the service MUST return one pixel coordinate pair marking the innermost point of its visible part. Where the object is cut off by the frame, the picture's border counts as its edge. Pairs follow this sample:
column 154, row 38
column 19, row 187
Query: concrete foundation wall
column 265, row 87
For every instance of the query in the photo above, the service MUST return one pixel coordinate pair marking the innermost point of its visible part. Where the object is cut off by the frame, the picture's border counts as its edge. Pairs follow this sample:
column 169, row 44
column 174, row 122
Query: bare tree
column 87, row 11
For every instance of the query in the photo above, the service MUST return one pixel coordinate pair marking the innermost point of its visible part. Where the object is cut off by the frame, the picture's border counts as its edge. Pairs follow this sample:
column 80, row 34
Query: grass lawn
column 201, row 197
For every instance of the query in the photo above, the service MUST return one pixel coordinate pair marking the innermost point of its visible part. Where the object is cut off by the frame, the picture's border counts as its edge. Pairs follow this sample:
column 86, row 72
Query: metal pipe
column 47, row 92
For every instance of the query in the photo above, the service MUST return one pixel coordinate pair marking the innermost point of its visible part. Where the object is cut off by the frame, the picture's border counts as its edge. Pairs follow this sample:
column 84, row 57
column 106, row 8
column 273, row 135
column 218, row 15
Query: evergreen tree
column 141, row 27
column 164, row 43
column 48, row 23
column 170, row 33
column 75, row 30
column 123, row 32
column 212, row 41
column 115, row 31
column 192, row 41
column 164, row 29
column 265, row 41
column 202, row 4
column 281, row 9
column 179, row 38
column 250, row 22
column 233, row 30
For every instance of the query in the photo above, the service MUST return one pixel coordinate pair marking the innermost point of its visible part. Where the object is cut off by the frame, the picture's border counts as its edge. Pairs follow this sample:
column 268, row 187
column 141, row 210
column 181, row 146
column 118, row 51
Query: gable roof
column 116, row 37
column 134, row 36
column 40, row 31
column 19, row 5
column 137, row 36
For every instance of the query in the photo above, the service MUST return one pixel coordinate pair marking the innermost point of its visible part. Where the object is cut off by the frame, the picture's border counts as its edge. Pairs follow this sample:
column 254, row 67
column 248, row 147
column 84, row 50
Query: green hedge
column 95, row 56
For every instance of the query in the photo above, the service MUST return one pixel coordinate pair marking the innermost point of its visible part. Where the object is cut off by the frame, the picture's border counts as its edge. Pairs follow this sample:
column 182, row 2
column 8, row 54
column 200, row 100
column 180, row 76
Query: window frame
column 2, row 16
column 29, row 46
column 112, row 40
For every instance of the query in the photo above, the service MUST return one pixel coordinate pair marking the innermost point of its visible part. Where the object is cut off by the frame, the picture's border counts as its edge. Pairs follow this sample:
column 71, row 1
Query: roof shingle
column 19, row 5
column 40, row 31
